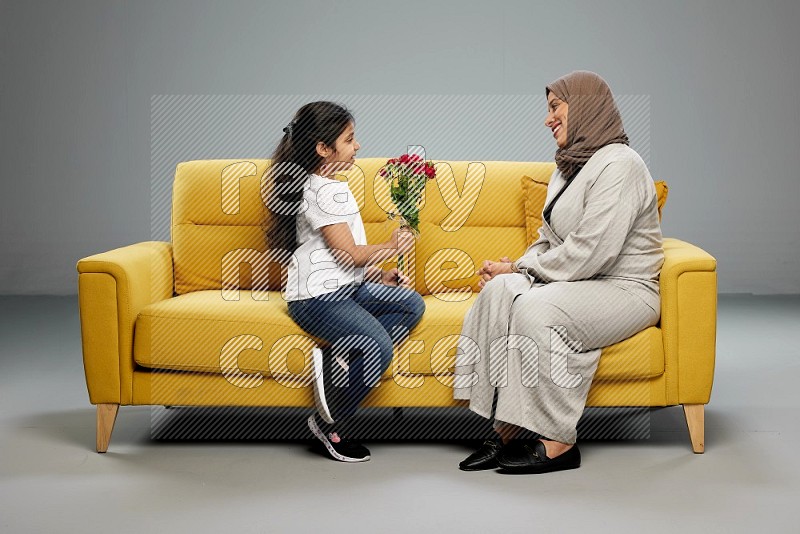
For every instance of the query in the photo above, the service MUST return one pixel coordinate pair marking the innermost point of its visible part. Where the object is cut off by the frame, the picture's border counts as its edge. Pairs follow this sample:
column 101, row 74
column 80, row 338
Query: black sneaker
column 343, row 450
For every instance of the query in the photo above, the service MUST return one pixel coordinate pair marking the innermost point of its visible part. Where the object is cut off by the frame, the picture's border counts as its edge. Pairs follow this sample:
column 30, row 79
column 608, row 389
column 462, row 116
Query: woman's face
column 556, row 118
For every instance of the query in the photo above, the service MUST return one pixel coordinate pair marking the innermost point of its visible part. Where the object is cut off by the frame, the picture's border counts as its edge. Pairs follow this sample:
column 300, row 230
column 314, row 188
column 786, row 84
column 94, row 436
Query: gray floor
column 53, row 481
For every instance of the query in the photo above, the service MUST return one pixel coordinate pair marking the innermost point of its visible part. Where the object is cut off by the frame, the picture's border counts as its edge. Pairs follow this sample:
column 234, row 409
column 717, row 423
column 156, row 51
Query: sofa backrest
column 219, row 220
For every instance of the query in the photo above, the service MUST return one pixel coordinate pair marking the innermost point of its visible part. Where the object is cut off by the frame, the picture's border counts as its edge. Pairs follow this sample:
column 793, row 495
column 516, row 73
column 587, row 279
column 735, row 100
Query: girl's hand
column 393, row 277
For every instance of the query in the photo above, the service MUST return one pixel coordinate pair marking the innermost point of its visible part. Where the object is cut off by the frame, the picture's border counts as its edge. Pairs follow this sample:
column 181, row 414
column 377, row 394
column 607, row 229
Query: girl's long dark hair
column 294, row 158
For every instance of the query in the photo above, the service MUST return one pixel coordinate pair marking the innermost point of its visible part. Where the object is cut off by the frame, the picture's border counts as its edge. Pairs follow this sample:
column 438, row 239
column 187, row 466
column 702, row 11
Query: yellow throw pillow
column 662, row 191
column 535, row 193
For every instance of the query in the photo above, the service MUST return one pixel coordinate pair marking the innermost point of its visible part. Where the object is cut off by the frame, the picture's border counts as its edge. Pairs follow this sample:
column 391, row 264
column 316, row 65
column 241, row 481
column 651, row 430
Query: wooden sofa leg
column 106, row 415
column 695, row 420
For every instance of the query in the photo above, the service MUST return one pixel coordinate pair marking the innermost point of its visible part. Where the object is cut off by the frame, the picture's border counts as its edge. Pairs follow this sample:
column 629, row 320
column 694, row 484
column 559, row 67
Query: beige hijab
column 593, row 120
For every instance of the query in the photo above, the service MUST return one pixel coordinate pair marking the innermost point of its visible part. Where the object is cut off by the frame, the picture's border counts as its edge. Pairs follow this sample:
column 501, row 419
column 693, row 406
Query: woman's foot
column 484, row 458
column 337, row 448
column 507, row 432
column 556, row 448
column 523, row 456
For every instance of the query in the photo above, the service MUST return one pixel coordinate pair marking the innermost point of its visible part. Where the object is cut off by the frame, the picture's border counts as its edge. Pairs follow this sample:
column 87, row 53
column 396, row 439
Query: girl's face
column 556, row 118
column 343, row 154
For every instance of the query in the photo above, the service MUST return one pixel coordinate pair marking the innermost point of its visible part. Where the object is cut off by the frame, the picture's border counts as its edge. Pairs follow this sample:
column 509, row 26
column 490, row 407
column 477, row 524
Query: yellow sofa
column 199, row 321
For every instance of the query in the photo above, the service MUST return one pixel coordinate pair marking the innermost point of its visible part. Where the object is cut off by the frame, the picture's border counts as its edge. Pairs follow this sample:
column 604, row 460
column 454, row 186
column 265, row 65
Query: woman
column 589, row 281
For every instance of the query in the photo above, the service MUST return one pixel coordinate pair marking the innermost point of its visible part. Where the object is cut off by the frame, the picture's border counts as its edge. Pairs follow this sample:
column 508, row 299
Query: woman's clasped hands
column 490, row 269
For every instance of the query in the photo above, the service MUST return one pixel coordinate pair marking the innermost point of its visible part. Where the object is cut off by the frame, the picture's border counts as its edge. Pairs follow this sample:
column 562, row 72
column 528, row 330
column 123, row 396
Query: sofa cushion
column 203, row 332
column 218, row 217
column 639, row 356
column 192, row 331
column 447, row 261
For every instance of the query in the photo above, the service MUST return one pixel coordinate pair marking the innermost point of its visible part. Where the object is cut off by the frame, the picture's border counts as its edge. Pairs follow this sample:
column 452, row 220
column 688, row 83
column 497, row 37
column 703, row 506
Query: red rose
column 404, row 158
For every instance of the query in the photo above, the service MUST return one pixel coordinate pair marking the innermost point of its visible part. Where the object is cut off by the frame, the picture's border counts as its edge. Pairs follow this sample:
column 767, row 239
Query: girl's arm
column 373, row 273
column 339, row 239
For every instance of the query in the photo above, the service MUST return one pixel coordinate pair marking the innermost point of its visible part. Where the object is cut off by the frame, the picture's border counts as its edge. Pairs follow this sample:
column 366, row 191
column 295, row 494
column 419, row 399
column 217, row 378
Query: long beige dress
column 591, row 280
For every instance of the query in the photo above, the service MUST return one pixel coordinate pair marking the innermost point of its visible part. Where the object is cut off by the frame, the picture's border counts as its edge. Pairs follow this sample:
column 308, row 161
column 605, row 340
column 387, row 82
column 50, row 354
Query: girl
column 335, row 291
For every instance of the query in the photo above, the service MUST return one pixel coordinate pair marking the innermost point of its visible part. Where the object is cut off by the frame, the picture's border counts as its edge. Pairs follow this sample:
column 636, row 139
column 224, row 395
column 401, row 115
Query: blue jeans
column 361, row 324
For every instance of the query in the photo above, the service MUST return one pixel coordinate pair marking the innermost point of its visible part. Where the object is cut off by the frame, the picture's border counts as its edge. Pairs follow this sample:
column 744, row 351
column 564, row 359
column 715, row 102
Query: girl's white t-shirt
column 313, row 270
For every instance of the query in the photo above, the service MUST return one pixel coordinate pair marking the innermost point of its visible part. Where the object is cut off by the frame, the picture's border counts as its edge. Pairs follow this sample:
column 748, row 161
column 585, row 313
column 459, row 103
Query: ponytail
column 293, row 160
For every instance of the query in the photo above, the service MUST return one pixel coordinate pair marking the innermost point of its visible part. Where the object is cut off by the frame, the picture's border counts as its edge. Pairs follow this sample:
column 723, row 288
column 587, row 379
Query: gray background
column 718, row 79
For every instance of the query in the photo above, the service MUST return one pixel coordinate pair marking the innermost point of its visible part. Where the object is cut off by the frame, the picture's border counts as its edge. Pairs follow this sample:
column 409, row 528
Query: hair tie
column 289, row 128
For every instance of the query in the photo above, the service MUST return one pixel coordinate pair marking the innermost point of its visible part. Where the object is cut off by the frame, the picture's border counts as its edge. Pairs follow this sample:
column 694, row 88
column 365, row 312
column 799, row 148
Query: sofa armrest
column 688, row 321
column 112, row 288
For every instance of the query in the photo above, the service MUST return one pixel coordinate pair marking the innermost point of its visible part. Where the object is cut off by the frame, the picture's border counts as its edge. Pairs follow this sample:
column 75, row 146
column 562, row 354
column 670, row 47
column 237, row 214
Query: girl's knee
column 376, row 362
column 412, row 302
column 385, row 347
column 417, row 305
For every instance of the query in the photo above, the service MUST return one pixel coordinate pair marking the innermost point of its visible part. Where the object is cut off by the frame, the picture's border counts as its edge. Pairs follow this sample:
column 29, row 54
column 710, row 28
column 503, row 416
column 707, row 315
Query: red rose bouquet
column 407, row 176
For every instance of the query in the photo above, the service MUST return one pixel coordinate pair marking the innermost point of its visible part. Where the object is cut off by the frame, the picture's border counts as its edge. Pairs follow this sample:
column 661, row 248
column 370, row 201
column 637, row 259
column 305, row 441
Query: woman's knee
column 494, row 289
column 498, row 283
column 532, row 313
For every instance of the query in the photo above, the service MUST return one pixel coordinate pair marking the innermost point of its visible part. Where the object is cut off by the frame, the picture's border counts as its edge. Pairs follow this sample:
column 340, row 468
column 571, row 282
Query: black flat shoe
column 531, row 457
column 483, row 458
